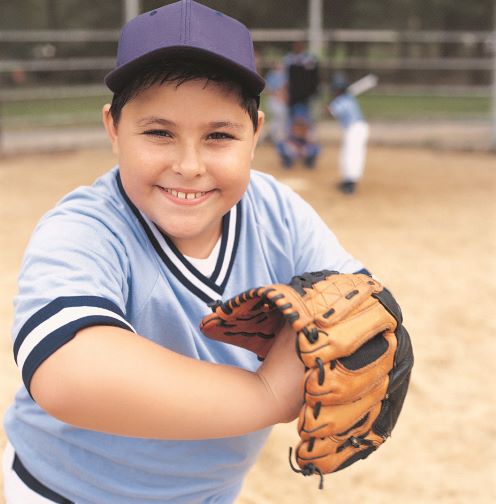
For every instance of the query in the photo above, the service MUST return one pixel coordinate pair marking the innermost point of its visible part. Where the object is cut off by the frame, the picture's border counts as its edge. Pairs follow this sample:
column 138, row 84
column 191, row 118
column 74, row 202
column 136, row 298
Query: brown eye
column 220, row 136
column 158, row 133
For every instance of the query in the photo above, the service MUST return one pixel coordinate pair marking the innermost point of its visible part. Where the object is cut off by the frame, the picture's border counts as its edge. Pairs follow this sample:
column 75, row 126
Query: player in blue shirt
column 345, row 108
column 124, row 400
column 276, row 91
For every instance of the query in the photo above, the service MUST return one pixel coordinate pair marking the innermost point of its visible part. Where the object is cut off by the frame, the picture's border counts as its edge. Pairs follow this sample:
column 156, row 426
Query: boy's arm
column 111, row 380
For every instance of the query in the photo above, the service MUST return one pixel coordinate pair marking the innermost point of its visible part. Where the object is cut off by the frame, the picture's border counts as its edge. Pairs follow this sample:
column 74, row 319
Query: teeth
column 185, row 196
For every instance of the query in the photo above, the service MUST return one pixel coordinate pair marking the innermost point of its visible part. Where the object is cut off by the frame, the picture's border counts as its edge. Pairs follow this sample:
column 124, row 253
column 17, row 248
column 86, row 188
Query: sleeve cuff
column 56, row 324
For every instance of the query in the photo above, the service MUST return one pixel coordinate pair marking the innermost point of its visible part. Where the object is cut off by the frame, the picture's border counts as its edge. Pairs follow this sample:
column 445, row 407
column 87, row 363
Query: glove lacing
column 308, row 470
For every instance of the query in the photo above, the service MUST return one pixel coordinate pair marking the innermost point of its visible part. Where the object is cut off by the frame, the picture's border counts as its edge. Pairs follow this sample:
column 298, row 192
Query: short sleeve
column 315, row 246
column 73, row 275
column 294, row 232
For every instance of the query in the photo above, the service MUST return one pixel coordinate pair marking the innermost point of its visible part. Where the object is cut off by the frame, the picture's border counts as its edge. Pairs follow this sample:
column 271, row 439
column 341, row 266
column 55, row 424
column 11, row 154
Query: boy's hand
column 357, row 354
column 282, row 373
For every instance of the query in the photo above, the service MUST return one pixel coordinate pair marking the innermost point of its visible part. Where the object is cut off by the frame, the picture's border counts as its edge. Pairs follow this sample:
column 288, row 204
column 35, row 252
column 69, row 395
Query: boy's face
column 185, row 154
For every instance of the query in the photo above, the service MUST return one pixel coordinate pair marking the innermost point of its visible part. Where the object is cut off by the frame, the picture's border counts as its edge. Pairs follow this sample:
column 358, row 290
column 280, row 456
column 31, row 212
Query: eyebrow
column 226, row 124
column 148, row 121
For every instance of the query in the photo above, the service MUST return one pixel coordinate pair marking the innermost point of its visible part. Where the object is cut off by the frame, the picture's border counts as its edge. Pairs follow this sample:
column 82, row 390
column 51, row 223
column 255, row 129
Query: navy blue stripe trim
column 190, row 286
column 237, row 234
column 205, row 280
column 57, row 305
column 35, row 485
column 364, row 271
column 223, row 246
column 58, row 338
column 136, row 212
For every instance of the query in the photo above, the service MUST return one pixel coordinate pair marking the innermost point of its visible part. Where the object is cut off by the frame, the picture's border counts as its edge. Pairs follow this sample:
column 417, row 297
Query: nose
column 189, row 162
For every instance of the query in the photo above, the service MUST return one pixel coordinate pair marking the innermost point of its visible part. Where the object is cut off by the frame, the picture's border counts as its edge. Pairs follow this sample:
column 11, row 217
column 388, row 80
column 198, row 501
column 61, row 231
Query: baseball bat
column 364, row 84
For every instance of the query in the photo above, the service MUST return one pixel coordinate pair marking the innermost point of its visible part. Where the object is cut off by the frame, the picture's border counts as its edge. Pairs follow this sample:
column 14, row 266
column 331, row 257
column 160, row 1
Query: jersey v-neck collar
column 206, row 288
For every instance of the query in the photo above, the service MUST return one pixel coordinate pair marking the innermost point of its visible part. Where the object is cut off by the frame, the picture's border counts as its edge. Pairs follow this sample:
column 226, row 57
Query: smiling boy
column 124, row 400
column 185, row 153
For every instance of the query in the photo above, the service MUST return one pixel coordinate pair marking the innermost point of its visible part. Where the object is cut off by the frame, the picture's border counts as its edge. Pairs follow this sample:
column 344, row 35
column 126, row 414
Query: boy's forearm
column 111, row 380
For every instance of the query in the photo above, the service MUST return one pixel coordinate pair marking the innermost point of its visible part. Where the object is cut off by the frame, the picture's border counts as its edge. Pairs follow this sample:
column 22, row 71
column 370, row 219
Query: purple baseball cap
column 181, row 30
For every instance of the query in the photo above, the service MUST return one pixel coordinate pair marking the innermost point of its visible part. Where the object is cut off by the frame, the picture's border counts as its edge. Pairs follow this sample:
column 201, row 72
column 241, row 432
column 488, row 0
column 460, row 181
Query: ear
column 261, row 121
column 110, row 127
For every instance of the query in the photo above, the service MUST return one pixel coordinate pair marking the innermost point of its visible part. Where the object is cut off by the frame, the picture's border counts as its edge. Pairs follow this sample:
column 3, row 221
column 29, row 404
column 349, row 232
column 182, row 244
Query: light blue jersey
column 276, row 80
column 95, row 259
column 346, row 110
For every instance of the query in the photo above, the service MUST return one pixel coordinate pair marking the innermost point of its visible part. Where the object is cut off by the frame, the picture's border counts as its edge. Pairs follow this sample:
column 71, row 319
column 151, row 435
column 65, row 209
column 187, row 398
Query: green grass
column 424, row 107
column 64, row 111
column 86, row 111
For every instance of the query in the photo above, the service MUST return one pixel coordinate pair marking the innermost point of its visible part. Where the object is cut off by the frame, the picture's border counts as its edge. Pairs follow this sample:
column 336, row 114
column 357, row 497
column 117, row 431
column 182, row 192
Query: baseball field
column 424, row 222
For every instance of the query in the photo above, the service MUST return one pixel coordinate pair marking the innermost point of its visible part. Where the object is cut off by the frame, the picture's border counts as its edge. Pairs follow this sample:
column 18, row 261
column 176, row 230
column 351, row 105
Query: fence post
column 493, row 107
column 315, row 19
column 131, row 9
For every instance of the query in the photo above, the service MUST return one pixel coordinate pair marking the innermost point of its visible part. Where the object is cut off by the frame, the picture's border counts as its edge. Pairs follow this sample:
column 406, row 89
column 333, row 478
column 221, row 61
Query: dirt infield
column 425, row 223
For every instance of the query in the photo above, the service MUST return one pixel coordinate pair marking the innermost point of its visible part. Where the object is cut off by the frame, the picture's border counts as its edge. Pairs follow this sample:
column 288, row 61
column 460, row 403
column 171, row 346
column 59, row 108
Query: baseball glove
column 357, row 354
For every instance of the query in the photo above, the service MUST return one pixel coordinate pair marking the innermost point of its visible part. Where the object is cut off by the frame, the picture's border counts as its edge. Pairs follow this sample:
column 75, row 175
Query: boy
column 345, row 108
column 125, row 401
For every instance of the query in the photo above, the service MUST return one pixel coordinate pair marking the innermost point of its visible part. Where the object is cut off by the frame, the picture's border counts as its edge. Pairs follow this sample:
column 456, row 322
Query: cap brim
column 118, row 78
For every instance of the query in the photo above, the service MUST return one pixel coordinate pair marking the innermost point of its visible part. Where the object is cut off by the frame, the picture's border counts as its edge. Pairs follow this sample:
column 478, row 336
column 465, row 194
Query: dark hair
column 181, row 71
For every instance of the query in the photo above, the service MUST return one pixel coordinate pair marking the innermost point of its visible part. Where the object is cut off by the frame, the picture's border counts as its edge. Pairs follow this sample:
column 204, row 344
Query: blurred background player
column 303, row 73
column 277, row 102
column 346, row 110
column 302, row 69
column 300, row 143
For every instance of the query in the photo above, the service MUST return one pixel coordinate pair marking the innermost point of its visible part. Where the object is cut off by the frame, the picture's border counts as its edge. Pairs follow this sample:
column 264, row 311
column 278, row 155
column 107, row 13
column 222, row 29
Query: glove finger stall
column 348, row 379
column 321, row 421
column 327, row 302
column 330, row 455
column 247, row 320
column 345, row 337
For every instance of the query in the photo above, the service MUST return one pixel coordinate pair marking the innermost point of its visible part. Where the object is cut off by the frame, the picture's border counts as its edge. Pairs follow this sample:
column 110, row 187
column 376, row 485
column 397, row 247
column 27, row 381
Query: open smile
column 184, row 195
